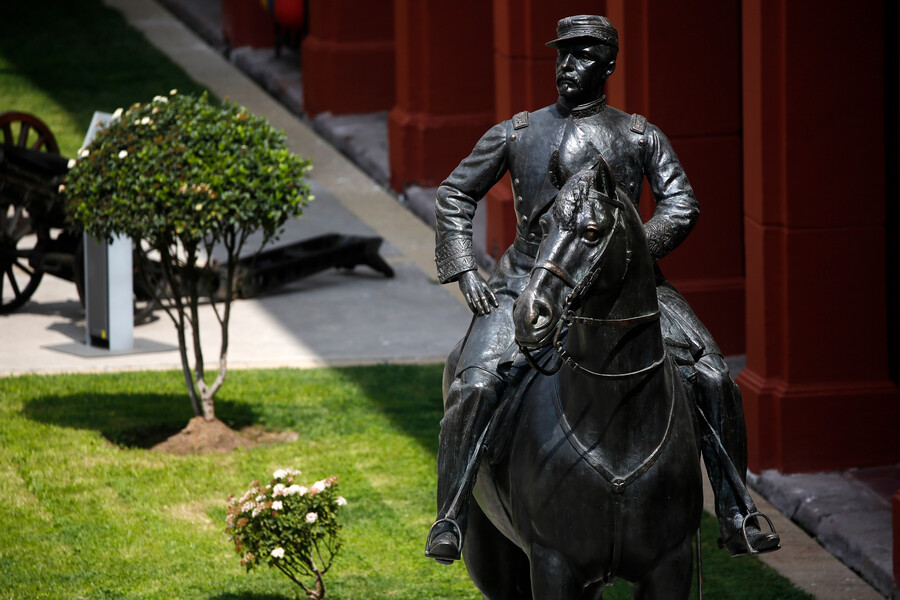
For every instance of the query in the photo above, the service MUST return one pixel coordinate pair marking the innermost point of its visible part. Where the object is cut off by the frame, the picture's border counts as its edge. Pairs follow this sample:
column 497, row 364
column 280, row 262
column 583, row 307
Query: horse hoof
column 444, row 548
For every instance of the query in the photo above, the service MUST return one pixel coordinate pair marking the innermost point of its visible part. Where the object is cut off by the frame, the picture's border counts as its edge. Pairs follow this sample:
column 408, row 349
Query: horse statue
column 597, row 471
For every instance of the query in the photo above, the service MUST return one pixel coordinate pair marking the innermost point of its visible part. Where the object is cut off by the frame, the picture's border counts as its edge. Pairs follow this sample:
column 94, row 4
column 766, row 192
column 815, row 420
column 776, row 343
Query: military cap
column 582, row 27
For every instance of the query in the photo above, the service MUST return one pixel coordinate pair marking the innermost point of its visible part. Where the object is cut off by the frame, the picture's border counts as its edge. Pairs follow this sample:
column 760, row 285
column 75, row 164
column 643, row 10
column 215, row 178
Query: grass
column 89, row 515
column 62, row 60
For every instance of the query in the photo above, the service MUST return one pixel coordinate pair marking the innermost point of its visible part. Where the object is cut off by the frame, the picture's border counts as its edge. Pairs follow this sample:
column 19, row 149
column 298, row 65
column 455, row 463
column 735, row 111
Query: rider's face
column 581, row 71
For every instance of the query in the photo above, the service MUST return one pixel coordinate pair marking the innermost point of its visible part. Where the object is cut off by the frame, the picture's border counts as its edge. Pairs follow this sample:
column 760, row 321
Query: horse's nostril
column 541, row 315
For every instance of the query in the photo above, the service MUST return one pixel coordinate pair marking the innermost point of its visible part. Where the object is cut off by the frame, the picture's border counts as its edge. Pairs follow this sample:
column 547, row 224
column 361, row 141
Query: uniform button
column 519, row 199
column 641, row 143
column 531, row 237
column 631, row 185
column 524, row 219
column 513, row 136
column 516, row 182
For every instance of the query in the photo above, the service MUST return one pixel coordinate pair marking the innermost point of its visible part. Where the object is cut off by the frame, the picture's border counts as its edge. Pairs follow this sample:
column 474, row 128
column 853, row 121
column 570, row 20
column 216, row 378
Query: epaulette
column 520, row 120
column 638, row 123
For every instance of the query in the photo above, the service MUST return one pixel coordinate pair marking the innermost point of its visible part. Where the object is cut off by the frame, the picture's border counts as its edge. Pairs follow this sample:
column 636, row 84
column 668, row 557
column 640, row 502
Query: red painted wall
column 444, row 87
column 817, row 395
column 348, row 57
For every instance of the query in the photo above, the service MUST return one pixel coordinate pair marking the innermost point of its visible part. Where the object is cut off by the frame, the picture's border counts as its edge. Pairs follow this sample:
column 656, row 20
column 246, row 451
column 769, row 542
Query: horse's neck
column 618, row 414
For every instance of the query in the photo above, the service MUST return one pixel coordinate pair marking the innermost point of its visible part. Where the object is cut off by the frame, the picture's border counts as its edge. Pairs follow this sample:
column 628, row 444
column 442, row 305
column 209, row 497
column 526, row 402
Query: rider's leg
column 469, row 404
column 720, row 400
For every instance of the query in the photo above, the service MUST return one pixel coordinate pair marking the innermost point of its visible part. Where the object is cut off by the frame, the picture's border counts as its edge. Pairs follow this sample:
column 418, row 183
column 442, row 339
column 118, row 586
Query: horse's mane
column 571, row 198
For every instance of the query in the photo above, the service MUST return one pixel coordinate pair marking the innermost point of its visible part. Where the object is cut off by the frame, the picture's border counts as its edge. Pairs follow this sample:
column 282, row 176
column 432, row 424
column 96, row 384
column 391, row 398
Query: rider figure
column 579, row 128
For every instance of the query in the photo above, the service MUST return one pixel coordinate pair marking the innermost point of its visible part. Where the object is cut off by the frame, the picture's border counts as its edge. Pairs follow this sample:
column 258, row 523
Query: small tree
column 180, row 176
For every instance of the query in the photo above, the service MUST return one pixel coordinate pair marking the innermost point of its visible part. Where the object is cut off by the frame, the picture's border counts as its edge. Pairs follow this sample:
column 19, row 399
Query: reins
column 578, row 290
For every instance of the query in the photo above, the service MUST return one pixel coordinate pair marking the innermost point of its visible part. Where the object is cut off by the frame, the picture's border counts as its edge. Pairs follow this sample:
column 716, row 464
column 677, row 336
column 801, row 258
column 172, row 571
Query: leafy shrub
column 288, row 526
column 185, row 176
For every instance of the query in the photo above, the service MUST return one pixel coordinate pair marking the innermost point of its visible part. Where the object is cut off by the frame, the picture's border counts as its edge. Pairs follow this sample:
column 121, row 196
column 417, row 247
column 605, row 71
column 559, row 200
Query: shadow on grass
column 409, row 395
column 130, row 420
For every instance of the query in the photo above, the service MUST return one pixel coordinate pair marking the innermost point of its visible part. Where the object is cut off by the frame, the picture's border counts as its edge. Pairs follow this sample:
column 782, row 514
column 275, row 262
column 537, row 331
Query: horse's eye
column 591, row 234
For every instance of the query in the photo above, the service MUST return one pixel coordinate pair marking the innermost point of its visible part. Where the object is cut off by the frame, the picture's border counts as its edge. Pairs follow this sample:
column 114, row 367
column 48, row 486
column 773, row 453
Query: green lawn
column 61, row 60
column 87, row 514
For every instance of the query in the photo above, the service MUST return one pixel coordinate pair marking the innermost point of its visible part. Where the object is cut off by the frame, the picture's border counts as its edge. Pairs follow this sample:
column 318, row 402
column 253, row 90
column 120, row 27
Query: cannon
column 37, row 237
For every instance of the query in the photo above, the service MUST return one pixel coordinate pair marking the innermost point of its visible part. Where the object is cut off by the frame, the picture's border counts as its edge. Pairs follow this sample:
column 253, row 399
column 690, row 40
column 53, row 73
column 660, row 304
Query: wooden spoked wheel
column 27, row 131
column 20, row 233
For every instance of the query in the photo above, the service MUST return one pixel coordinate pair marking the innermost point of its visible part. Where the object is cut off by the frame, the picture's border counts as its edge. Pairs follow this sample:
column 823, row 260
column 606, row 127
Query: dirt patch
column 208, row 437
column 204, row 437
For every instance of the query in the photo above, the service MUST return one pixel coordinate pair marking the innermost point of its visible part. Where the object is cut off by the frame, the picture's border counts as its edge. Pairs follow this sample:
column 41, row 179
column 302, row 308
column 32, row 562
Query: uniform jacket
column 523, row 146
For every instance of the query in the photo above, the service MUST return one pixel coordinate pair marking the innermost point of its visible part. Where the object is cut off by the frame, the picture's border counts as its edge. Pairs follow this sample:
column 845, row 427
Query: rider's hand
column 477, row 292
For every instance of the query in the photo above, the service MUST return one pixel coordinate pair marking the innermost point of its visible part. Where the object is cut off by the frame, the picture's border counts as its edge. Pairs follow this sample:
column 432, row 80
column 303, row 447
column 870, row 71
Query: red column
column 348, row 56
column 444, row 87
column 525, row 79
column 816, row 389
column 247, row 23
column 680, row 66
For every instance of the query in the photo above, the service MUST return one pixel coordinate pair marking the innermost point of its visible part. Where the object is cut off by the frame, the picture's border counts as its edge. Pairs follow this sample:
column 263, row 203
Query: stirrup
column 455, row 528
column 750, row 548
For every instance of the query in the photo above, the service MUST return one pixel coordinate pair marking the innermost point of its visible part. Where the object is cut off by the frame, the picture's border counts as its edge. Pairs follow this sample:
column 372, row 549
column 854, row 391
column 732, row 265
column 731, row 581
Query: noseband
column 579, row 289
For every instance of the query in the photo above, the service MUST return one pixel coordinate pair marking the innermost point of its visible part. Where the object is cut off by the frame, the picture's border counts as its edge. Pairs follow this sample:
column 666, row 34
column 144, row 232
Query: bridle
column 578, row 290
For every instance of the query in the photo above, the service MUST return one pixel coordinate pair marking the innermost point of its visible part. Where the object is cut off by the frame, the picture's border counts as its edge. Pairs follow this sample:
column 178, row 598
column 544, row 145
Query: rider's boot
column 468, row 407
column 720, row 400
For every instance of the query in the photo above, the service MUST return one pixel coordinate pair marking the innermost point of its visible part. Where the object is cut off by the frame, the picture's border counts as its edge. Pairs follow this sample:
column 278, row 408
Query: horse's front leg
column 670, row 579
column 551, row 576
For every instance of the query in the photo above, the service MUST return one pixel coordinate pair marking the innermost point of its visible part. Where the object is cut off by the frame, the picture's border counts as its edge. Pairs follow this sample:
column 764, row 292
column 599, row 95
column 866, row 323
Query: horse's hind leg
column 497, row 566
column 670, row 578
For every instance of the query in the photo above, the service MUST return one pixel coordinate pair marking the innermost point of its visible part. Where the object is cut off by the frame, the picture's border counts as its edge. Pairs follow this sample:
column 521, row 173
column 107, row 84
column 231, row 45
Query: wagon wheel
column 20, row 232
column 27, row 131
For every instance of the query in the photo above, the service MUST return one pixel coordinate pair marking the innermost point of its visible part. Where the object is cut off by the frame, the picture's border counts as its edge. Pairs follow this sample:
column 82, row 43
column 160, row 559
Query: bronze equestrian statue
column 571, row 136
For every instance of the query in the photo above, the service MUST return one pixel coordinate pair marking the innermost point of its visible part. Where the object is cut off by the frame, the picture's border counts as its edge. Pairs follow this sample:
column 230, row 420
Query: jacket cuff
column 660, row 238
column 454, row 256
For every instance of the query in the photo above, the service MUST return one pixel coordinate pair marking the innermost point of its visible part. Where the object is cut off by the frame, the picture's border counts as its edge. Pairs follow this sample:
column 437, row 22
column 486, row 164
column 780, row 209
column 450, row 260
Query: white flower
column 248, row 506
column 260, row 498
column 294, row 490
column 123, row 153
column 280, row 474
column 83, row 153
column 245, row 497
column 146, row 121
column 319, row 486
column 341, row 501
column 278, row 552
column 277, row 505
column 160, row 99
column 72, row 162
column 173, row 91
column 278, row 490
column 117, row 114
column 62, row 188
column 311, row 517
column 229, row 520
column 256, row 511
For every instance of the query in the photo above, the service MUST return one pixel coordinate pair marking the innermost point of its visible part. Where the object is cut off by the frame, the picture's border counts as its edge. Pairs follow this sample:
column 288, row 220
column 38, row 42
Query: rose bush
column 287, row 526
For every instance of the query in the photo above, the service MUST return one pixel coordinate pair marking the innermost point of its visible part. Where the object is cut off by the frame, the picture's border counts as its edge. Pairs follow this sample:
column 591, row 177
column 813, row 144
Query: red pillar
column 525, row 79
column 247, row 23
column 680, row 66
column 816, row 390
column 348, row 57
column 444, row 87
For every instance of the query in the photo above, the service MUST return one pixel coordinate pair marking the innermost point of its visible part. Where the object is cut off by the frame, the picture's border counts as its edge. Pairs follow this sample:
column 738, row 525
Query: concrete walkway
column 333, row 318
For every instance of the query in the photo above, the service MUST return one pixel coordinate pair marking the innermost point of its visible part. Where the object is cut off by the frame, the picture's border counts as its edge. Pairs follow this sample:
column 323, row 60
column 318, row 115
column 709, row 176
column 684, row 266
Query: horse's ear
column 604, row 182
column 559, row 175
